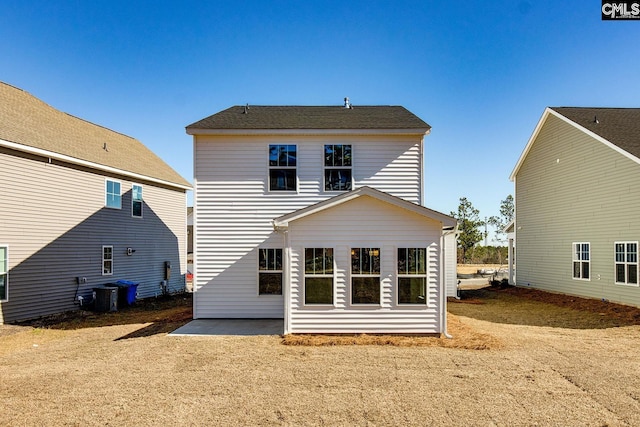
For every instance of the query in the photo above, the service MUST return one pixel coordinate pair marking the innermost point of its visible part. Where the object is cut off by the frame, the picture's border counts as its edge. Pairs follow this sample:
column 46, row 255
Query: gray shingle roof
column 312, row 117
column 26, row 120
column 620, row 126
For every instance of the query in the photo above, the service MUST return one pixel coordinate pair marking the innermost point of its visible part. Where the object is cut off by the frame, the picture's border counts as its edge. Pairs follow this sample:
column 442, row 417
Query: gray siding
column 55, row 223
column 573, row 188
column 233, row 211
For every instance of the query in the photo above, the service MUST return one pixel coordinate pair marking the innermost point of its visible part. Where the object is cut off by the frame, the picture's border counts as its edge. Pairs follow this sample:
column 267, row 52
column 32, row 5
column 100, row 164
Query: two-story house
column 82, row 206
column 313, row 214
column 577, row 203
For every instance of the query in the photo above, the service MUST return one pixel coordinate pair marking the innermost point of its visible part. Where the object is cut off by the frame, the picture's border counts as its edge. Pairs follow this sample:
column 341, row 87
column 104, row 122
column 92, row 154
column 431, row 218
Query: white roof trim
column 283, row 221
column 308, row 131
column 85, row 163
column 543, row 120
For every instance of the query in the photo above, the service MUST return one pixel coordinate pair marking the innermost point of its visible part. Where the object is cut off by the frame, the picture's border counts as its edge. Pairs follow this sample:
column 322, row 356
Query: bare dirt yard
column 518, row 358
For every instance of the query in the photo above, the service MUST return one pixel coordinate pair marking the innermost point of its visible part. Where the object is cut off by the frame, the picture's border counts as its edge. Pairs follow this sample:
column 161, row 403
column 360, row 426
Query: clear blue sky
column 480, row 72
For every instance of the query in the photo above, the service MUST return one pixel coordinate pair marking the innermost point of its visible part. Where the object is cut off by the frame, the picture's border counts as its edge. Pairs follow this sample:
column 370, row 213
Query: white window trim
column 6, row 247
column 304, row 280
column 105, row 193
column 325, row 167
column 573, row 259
column 103, row 260
column 281, row 271
column 141, row 201
column 351, row 276
column 295, row 168
column 413, row 276
column 625, row 263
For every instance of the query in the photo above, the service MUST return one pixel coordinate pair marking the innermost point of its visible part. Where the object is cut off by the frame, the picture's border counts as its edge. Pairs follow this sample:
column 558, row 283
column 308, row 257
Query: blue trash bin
column 130, row 290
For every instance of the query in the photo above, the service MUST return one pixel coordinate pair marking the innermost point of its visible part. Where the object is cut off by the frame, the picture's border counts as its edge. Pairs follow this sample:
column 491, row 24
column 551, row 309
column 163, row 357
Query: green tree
column 506, row 216
column 469, row 224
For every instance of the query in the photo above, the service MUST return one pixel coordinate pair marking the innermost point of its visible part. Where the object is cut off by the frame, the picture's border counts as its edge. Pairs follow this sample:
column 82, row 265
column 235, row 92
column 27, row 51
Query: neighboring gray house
column 313, row 214
column 577, row 201
column 81, row 206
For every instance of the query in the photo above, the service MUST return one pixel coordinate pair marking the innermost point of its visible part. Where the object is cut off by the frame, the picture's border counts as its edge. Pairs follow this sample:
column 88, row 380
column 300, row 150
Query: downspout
column 286, row 275
column 443, row 291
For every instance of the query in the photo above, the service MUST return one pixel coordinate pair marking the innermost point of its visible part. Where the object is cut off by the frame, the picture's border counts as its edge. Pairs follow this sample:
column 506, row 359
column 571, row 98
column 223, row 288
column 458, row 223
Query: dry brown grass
column 554, row 363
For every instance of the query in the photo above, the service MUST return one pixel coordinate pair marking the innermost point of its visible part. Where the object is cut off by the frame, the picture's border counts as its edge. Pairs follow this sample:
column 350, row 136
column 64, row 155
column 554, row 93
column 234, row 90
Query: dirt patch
column 526, row 306
column 125, row 371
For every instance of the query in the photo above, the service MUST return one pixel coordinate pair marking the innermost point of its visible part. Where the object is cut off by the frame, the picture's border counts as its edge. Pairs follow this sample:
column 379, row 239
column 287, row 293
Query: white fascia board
column 85, row 163
column 595, row 136
column 423, row 131
column 533, row 137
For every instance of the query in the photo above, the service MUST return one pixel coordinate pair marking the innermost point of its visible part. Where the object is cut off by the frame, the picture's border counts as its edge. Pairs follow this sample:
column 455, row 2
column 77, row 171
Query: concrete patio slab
column 204, row 327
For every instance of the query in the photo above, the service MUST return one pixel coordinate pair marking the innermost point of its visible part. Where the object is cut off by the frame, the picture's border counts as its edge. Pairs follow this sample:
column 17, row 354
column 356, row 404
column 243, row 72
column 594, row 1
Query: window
column 282, row 167
column 626, row 260
column 581, row 261
column 270, row 272
column 107, row 260
column 113, row 199
column 337, row 167
column 4, row 273
column 365, row 276
column 136, row 201
column 412, row 275
column 318, row 276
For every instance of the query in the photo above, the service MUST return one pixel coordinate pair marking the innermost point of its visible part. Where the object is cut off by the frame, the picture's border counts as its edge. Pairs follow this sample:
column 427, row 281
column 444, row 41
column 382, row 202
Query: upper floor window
column 626, row 261
column 283, row 160
column 365, row 275
column 581, row 261
column 269, row 271
column 136, row 201
column 4, row 273
column 107, row 260
column 113, row 198
column 318, row 276
column 337, row 167
column 412, row 275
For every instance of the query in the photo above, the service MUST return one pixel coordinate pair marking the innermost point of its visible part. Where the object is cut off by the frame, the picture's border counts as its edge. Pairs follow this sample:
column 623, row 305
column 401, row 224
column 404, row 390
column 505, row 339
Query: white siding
column 54, row 219
column 573, row 188
column 450, row 259
column 365, row 222
column 234, row 211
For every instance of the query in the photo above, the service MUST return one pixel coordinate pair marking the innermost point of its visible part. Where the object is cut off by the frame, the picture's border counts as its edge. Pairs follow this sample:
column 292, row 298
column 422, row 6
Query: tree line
column 470, row 232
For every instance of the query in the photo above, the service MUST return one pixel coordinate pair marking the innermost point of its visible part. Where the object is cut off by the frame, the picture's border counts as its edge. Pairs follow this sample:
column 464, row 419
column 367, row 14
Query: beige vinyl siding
column 573, row 188
column 54, row 219
column 344, row 227
column 234, row 209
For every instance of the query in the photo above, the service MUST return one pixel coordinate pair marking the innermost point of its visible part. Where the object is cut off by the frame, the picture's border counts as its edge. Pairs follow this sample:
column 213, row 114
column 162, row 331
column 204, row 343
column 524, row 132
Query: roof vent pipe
column 346, row 103
column 246, row 109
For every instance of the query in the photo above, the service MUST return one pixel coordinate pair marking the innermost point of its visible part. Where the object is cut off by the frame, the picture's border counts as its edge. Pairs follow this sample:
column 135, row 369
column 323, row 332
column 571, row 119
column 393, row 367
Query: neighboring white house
column 577, row 201
column 312, row 214
column 82, row 206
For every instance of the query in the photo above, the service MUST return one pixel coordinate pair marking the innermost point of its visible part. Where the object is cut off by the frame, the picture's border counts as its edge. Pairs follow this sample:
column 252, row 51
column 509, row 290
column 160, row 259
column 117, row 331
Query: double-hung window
column 283, row 160
column 365, row 275
column 318, row 276
column 4, row 273
column 113, row 197
column 269, row 271
column 136, row 201
column 626, row 261
column 581, row 261
column 107, row 260
column 412, row 275
column 337, row 167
